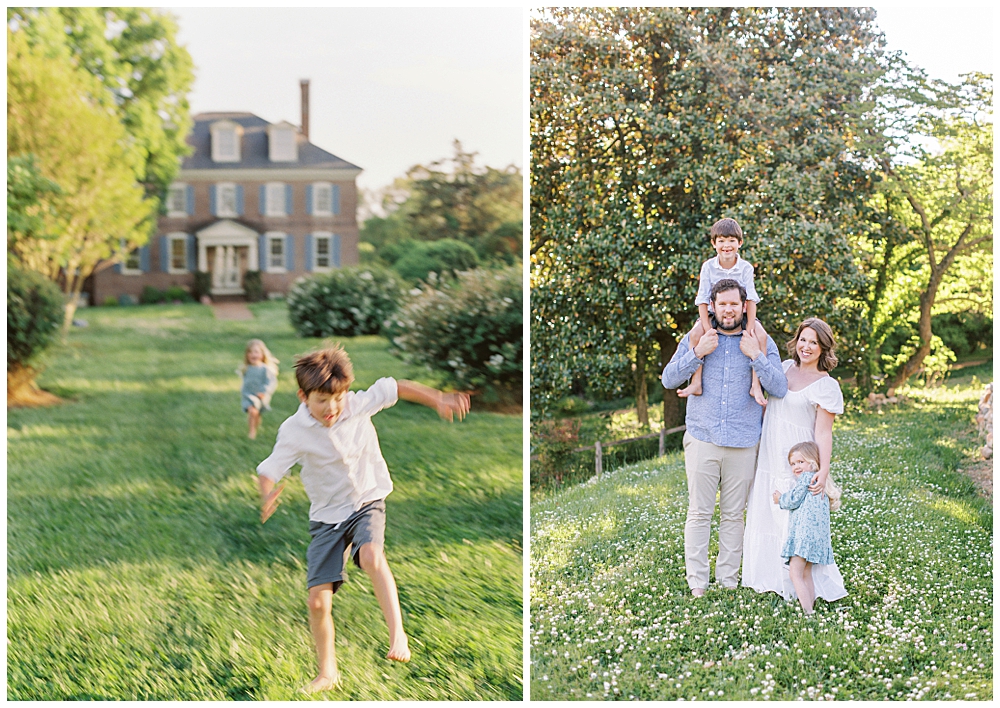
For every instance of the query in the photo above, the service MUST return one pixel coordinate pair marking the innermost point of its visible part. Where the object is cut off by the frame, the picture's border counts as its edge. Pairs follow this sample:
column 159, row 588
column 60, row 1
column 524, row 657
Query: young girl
column 260, row 379
column 808, row 523
column 727, row 237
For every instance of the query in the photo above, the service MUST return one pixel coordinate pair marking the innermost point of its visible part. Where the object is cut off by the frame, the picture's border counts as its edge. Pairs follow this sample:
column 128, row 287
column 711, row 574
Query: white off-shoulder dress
column 788, row 421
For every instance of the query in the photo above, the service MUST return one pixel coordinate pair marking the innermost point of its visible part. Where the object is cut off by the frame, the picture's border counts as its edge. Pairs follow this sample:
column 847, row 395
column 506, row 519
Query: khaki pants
column 729, row 472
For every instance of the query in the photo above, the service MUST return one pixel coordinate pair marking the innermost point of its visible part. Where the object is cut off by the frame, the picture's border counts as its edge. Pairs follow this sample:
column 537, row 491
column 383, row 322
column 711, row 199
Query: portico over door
column 227, row 250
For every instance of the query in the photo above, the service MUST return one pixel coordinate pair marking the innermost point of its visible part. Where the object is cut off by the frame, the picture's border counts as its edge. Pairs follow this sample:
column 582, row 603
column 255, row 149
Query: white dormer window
column 177, row 200
column 281, row 145
column 323, row 201
column 275, row 199
column 225, row 199
column 226, row 141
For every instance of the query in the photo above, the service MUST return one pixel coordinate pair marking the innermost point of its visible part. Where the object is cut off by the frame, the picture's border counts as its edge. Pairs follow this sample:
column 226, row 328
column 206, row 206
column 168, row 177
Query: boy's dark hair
column 726, row 227
column 327, row 371
column 727, row 284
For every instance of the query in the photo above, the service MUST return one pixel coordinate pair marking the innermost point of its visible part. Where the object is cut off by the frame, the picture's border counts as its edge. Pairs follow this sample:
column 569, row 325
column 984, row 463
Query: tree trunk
column 673, row 407
column 641, row 390
column 23, row 392
column 916, row 360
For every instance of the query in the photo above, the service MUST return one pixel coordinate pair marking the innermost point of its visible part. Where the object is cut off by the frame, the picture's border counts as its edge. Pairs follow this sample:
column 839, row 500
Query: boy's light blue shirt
column 725, row 414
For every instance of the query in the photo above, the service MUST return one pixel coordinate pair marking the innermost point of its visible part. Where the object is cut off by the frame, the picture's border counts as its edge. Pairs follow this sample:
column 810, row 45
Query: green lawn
column 611, row 616
column 137, row 567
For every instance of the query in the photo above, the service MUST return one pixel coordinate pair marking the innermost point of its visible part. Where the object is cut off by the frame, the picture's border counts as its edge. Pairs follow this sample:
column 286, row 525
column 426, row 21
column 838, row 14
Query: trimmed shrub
column 202, row 285
column 446, row 257
column 345, row 302
column 35, row 310
column 110, row 301
column 151, row 295
column 176, row 292
column 253, row 286
column 469, row 329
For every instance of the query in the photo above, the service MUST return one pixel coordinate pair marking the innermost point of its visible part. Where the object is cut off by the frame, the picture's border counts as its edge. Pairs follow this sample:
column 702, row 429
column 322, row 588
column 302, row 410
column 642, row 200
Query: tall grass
column 612, row 617
column 137, row 565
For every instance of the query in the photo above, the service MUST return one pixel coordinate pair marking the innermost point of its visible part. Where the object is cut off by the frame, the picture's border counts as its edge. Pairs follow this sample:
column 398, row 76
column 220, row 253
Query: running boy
column 727, row 237
column 331, row 435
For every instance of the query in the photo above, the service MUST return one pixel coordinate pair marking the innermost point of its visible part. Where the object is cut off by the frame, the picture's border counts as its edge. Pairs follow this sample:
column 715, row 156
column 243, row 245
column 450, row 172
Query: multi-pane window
column 226, row 141
column 225, row 195
column 132, row 261
column 275, row 198
column 177, row 200
column 323, row 199
column 178, row 253
column 322, row 259
column 276, row 253
column 281, row 145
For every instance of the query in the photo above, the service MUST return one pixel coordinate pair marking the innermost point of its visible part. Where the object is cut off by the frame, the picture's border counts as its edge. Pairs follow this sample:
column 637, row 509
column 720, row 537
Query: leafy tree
column 936, row 153
column 80, row 145
column 444, row 257
column 27, row 191
column 647, row 126
column 453, row 199
column 144, row 75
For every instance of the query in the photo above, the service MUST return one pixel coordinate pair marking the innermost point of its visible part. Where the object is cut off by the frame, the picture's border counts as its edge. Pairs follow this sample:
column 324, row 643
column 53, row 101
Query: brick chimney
column 304, row 85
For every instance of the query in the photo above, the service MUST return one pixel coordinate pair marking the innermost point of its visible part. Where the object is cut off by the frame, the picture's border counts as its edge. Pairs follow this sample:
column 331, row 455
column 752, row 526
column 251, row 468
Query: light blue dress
column 257, row 379
column 808, row 522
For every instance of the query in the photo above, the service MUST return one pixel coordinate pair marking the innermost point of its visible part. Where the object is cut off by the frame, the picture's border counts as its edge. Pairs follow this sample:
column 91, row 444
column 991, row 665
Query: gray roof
column 253, row 147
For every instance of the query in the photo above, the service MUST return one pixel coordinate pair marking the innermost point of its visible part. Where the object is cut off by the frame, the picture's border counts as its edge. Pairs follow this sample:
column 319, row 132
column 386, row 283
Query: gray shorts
column 327, row 552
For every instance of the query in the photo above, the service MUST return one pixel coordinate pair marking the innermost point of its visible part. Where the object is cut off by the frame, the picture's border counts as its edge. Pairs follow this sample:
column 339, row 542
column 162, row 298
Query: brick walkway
column 232, row 311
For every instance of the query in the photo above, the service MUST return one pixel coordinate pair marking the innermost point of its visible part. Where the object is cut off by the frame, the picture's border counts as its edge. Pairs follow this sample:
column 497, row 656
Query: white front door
column 226, row 272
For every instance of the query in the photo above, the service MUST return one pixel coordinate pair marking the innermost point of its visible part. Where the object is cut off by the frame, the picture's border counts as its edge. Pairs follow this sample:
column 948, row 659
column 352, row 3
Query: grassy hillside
column 612, row 617
column 137, row 566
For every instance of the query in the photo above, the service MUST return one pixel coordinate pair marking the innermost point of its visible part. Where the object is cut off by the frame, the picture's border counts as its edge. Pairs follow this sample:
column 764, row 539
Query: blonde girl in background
column 808, row 541
column 260, row 380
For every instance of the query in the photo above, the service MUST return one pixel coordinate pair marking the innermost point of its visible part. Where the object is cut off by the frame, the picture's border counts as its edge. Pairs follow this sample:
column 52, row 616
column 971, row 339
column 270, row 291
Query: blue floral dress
column 257, row 379
column 808, row 522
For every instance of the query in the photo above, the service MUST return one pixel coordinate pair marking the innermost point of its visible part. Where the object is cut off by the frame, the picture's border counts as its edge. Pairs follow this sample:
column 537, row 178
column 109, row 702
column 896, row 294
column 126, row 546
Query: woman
column 806, row 413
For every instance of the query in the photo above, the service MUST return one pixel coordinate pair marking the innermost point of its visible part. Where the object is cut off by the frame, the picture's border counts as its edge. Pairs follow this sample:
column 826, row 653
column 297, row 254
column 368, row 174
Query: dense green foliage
column 930, row 250
column 648, row 125
column 144, row 75
column 470, row 330
column 59, row 114
column 451, row 199
column 612, row 616
column 34, row 313
column 445, row 257
column 27, row 192
column 344, row 302
column 137, row 566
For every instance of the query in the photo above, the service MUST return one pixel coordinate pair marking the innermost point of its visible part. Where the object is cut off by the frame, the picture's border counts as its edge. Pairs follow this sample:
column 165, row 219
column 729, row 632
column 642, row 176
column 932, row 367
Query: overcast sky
column 945, row 41
column 389, row 87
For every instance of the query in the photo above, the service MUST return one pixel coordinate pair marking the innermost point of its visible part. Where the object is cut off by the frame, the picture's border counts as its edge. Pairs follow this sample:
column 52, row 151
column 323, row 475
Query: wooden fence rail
column 598, row 447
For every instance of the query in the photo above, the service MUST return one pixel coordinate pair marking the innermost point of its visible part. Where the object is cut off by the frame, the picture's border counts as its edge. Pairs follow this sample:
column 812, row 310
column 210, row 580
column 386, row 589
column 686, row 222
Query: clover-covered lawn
column 612, row 618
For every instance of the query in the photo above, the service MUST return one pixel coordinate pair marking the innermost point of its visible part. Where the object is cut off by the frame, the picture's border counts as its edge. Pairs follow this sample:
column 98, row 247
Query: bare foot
column 692, row 390
column 400, row 650
column 322, row 683
column 253, row 435
column 697, row 592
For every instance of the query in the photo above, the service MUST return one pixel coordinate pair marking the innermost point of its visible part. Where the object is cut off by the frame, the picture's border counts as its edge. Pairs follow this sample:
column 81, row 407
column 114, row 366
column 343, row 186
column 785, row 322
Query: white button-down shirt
column 712, row 273
column 342, row 466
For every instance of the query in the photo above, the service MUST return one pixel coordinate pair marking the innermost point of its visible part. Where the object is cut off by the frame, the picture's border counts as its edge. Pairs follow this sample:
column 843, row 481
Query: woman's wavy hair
column 824, row 335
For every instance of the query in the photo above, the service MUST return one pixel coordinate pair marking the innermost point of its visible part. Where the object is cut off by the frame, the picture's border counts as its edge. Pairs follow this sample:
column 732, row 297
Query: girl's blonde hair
column 810, row 451
column 268, row 360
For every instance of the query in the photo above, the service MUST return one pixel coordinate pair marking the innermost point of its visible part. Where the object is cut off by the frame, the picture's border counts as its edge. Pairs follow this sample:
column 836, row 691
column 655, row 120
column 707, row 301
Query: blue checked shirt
column 725, row 414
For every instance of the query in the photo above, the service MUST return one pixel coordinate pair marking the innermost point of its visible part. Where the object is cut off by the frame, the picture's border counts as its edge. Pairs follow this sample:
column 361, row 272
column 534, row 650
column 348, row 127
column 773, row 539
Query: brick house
column 252, row 196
